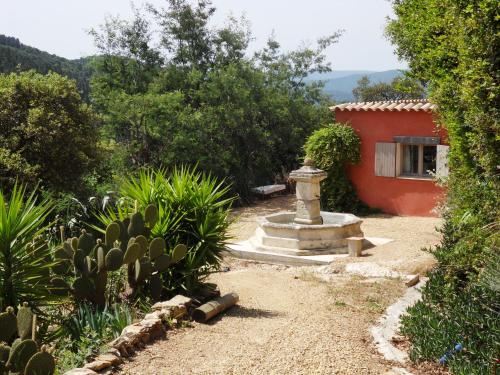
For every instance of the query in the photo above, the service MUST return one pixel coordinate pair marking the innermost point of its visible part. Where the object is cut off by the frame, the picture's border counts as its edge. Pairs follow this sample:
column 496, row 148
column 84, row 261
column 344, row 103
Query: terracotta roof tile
column 390, row 105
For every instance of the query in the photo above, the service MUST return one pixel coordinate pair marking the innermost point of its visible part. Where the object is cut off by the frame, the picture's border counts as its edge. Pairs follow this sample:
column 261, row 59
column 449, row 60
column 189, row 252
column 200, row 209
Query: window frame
column 400, row 162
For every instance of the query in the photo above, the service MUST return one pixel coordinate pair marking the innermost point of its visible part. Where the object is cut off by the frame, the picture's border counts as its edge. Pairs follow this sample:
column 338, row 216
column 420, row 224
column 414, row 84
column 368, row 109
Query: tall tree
column 47, row 135
column 195, row 97
column 454, row 45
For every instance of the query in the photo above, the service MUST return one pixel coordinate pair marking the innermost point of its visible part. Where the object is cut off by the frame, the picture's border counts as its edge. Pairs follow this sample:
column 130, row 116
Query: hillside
column 339, row 86
column 15, row 55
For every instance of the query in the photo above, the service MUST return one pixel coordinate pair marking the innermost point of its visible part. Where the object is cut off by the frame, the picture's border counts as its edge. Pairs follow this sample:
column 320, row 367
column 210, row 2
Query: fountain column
column 308, row 193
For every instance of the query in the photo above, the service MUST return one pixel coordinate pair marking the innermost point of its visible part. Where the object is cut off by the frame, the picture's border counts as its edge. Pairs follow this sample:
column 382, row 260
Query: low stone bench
column 355, row 245
column 268, row 189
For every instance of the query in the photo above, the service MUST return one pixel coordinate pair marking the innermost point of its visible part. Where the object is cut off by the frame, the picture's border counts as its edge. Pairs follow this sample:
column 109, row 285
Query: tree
column 195, row 98
column 400, row 88
column 454, row 46
column 47, row 135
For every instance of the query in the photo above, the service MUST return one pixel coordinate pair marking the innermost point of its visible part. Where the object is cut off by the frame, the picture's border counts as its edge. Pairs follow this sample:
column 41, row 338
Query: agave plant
column 24, row 254
column 194, row 210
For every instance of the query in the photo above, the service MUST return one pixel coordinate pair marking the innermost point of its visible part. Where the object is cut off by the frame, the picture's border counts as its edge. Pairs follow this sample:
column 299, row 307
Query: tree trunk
column 212, row 308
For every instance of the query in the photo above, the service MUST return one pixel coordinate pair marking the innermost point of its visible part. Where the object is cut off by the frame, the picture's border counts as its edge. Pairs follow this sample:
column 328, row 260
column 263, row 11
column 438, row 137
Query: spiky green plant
column 24, row 255
column 194, row 210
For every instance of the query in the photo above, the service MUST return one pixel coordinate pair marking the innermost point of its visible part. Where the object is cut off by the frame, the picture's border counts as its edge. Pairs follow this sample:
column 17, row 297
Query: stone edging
column 136, row 335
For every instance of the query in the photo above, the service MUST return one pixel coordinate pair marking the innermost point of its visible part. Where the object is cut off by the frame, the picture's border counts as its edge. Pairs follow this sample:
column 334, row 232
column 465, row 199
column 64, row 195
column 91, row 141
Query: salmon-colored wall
column 399, row 196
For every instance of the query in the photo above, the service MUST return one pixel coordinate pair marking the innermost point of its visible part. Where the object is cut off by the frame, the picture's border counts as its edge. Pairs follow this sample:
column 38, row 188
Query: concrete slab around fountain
column 244, row 250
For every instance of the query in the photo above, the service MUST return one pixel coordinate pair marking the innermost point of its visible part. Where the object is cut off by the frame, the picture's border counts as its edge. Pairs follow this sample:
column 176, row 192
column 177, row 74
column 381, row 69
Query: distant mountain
column 339, row 84
column 16, row 56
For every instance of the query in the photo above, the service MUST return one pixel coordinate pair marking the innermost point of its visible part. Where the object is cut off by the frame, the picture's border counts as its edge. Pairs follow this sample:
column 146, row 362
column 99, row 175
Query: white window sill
column 419, row 178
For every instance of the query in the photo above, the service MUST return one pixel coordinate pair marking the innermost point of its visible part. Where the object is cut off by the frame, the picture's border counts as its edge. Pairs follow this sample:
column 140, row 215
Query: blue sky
column 59, row 26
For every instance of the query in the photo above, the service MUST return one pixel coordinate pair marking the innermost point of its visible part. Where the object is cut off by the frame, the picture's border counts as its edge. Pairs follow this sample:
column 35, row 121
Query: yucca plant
column 24, row 254
column 194, row 210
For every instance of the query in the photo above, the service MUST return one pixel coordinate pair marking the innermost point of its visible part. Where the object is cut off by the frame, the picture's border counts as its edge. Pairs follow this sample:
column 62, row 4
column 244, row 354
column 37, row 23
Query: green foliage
column 24, row 254
column 332, row 148
column 46, row 133
column 85, row 333
column 404, row 87
column 193, row 210
column 195, row 99
column 455, row 46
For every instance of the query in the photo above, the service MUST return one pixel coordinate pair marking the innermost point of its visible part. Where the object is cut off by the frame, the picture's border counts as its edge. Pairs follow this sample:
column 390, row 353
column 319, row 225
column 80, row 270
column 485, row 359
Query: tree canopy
column 47, row 135
column 400, row 88
column 192, row 95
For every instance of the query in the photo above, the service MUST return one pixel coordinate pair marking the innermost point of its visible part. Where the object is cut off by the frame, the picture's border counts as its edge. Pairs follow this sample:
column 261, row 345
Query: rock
column 412, row 280
column 80, row 371
column 154, row 315
column 111, row 358
column 114, row 352
column 135, row 333
column 97, row 365
column 154, row 327
column 173, row 308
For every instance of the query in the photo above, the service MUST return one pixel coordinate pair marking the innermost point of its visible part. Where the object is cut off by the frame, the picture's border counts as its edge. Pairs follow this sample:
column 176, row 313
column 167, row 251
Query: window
column 417, row 157
column 417, row 160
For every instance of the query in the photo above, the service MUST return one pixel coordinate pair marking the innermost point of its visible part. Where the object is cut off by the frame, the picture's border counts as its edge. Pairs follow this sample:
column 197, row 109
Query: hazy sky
column 59, row 26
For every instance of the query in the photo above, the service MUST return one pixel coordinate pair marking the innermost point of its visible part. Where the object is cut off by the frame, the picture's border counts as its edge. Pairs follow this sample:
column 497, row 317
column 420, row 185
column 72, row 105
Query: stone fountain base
column 279, row 233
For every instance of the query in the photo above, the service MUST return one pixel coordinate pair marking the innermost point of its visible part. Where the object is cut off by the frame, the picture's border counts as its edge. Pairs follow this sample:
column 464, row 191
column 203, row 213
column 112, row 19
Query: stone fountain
column 308, row 231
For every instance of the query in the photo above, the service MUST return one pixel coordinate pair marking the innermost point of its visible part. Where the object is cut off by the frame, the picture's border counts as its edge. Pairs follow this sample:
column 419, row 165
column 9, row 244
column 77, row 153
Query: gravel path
column 288, row 320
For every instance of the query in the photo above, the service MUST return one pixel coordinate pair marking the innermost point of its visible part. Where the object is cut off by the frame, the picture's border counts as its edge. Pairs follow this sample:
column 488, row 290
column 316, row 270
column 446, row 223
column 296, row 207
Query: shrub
column 193, row 210
column 85, row 333
column 46, row 133
column 453, row 45
column 332, row 148
column 24, row 254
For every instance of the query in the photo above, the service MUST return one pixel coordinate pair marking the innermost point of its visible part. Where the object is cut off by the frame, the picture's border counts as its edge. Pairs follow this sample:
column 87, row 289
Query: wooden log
column 210, row 309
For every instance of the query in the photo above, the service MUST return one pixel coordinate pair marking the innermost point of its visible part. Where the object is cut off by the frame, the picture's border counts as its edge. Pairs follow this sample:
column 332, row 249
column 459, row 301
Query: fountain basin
column 279, row 233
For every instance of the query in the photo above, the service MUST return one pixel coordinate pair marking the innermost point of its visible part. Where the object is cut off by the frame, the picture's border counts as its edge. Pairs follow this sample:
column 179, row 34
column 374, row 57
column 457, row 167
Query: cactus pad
column 86, row 242
column 155, row 286
column 162, row 262
column 179, row 253
column 101, row 265
column 83, row 287
column 60, row 253
column 4, row 352
column 68, row 249
column 156, row 248
column 143, row 243
column 151, row 215
column 41, row 363
column 74, row 243
column 112, row 234
column 8, row 322
column 143, row 269
column 20, row 355
column 24, row 322
column 136, row 226
column 114, row 259
column 79, row 260
column 132, row 254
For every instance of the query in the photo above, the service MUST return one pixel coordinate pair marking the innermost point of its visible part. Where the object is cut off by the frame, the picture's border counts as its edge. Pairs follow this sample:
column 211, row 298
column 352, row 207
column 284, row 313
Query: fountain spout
column 308, row 193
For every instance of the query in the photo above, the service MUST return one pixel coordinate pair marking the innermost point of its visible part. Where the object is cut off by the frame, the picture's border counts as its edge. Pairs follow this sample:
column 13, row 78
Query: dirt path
column 288, row 320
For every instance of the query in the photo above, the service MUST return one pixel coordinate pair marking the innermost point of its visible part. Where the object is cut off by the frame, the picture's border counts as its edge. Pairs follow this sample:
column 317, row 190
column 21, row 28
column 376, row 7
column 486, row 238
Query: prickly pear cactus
column 22, row 356
column 125, row 244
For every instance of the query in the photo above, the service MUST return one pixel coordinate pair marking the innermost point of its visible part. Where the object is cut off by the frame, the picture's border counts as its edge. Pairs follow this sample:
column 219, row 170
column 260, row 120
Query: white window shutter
column 385, row 159
column 442, row 169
